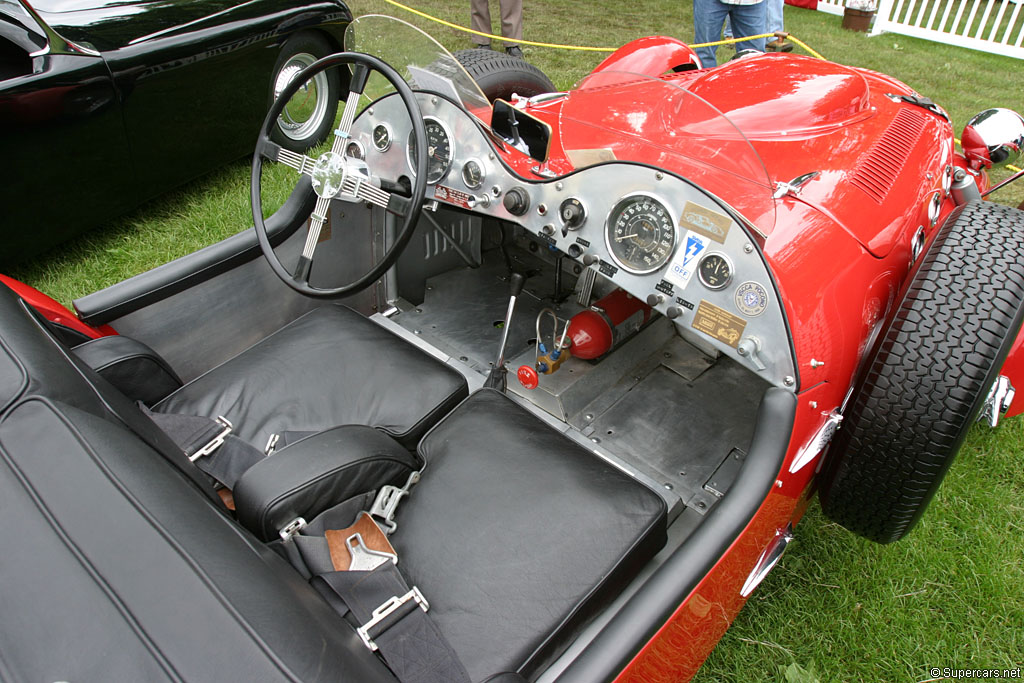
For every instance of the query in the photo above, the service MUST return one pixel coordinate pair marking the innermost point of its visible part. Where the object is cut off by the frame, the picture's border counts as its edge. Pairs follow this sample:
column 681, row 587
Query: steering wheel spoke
column 275, row 152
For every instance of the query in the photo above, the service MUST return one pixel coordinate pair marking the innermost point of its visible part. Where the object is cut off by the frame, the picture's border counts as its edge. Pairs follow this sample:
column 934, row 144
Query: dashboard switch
column 590, row 259
column 516, row 201
column 654, row 299
column 573, row 214
column 673, row 312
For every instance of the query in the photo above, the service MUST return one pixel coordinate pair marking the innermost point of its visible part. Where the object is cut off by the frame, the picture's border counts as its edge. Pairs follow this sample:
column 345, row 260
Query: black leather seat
column 117, row 567
column 518, row 535
column 119, row 564
column 330, row 367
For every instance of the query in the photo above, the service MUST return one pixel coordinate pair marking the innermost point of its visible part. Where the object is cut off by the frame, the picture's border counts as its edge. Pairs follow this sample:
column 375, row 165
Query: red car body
column 840, row 249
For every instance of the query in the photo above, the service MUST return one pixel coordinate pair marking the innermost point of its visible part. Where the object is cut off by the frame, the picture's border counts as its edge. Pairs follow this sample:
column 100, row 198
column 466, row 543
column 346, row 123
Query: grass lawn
column 837, row 608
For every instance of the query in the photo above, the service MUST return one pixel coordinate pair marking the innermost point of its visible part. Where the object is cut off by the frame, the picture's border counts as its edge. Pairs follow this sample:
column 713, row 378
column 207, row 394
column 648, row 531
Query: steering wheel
column 334, row 175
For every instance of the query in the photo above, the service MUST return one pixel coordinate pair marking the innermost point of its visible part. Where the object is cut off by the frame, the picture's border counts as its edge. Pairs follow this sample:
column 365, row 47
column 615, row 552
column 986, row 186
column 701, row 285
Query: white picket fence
column 995, row 26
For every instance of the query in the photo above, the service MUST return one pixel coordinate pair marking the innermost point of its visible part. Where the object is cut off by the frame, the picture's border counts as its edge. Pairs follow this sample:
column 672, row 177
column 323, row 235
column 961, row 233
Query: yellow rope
column 556, row 46
column 727, row 41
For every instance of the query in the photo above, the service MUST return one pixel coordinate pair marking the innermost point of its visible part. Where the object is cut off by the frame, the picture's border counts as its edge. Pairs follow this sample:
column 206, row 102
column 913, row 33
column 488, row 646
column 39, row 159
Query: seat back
column 116, row 565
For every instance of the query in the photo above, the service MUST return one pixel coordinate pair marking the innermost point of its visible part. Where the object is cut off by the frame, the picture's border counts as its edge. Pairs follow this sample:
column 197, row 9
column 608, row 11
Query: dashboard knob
column 516, row 201
column 573, row 214
column 673, row 312
column 590, row 259
column 575, row 250
column 654, row 299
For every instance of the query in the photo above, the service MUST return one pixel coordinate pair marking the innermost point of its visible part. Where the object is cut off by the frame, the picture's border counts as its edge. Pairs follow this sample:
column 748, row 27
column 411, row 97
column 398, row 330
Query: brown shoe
column 778, row 45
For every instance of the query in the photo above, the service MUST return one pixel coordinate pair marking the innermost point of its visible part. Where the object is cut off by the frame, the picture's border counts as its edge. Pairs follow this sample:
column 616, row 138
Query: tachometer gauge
column 640, row 234
column 439, row 150
column 714, row 271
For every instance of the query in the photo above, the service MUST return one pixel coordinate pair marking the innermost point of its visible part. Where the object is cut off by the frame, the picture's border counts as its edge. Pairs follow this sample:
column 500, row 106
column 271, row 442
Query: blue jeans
column 746, row 20
column 773, row 13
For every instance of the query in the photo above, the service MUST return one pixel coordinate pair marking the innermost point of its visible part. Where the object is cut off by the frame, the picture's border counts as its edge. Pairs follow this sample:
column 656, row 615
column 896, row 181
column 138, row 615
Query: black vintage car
column 101, row 100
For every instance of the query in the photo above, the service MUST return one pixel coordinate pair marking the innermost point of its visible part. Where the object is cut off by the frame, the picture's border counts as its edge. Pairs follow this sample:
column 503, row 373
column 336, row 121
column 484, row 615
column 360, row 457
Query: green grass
column 951, row 594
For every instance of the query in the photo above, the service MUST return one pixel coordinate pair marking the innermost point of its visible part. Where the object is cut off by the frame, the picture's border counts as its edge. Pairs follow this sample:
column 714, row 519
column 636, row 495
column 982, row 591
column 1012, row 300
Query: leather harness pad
column 358, row 372
column 369, row 532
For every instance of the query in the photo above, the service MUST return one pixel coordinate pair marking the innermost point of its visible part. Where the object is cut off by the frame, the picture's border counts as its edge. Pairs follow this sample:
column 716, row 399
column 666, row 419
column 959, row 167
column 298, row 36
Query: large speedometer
column 439, row 150
column 640, row 234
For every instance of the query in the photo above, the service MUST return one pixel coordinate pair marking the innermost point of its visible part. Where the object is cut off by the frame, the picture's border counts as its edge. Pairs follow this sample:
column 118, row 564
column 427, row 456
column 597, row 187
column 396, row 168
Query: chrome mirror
column 994, row 137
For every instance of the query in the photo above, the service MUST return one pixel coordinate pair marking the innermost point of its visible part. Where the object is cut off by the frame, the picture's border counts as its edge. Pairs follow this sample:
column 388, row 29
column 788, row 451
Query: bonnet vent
column 877, row 171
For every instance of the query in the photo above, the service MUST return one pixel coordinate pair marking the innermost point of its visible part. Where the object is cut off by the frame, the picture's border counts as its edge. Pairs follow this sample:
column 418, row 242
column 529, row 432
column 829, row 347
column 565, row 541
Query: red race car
column 598, row 350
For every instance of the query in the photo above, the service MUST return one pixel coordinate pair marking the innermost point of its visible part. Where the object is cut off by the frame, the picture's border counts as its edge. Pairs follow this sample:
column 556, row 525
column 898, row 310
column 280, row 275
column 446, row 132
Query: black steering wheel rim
column 408, row 210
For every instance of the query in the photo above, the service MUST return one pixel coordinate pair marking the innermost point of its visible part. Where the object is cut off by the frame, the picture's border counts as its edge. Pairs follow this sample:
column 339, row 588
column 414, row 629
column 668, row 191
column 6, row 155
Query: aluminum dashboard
column 711, row 281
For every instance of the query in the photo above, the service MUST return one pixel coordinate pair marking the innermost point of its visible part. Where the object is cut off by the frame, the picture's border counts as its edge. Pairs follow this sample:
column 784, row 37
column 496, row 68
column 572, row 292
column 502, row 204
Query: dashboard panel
column 655, row 235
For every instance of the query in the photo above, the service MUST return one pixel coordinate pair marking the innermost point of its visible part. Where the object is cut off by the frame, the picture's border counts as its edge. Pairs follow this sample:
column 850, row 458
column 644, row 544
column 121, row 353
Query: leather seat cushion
column 330, row 367
column 517, row 535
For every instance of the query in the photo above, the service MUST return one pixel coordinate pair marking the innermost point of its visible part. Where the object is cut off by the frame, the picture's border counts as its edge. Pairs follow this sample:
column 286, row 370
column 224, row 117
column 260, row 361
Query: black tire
column 294, row 130
column 499, row 75
column 930, row 376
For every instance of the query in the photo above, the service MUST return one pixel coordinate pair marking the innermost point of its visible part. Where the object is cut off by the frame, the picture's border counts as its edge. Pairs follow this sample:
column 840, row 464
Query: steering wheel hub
column 329, row 174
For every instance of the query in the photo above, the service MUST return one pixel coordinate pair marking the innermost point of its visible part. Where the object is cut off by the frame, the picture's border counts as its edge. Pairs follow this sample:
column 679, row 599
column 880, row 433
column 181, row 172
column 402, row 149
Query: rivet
column 814, row 404
column 659, row 175
column 817, row 363
column 788, row 380
column 370, row 111
column 778, row 483
column 433, row 100
column 668, row 486
column 748, row 248
column 559, row 186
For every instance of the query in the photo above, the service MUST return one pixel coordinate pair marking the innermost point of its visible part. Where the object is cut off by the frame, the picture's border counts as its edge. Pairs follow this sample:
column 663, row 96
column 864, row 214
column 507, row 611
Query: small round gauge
column 640, row 234
column 381, row 137
column 355, row 150
column 439, row 150
column 473, row 174
column 714, row 271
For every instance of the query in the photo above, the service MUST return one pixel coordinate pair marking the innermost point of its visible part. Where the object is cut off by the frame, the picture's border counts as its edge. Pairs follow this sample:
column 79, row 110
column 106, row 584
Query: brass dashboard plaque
column 705, row 221
column 718, row 323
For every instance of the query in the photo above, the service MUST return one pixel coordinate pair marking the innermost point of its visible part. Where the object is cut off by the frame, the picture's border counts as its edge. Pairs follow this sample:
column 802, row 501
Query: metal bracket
column 216, row 442
column 769, row 558
column 998, row 401
column 291, row 528
column 366, row 559
column 817, row 444
column 794, row 186
column 387, row 500
column 387, row 609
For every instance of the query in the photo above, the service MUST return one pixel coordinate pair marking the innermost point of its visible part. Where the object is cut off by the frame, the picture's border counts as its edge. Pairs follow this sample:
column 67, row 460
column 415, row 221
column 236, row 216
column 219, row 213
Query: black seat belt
column 391, row 618
column 209, row 444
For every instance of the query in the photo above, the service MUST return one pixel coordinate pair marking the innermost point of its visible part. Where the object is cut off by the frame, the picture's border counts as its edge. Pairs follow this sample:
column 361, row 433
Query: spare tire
column 930, row 376
column 500, row 75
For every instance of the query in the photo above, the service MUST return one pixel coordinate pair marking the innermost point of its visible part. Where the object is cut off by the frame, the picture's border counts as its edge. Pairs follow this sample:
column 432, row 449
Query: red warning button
column 527, row 377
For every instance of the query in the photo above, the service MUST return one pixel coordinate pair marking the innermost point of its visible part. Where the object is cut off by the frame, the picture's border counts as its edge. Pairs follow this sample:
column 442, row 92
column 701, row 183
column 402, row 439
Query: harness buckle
column 291, row 528
column 216, row 442
column 364, row 558
column 390, row 606
column 386, row 502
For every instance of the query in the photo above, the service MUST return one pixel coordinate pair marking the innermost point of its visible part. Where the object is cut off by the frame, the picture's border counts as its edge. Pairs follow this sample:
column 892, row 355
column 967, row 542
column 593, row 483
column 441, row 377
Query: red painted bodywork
column 53, row 311
column 654, row 55
column 840, row 251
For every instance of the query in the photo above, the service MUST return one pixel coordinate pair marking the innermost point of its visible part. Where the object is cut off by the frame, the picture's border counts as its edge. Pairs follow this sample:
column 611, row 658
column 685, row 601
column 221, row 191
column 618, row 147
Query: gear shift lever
column 496, row 379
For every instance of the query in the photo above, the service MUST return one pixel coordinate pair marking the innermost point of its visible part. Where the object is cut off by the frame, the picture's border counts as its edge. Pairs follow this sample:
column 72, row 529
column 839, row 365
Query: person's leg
column 480, row 20
column 708, row 16
column 773, row 10
column 749, row 20
column 512, row 21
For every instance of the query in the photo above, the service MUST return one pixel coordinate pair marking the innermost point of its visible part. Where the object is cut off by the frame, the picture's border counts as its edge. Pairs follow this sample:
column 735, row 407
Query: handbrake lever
column 497, row 378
